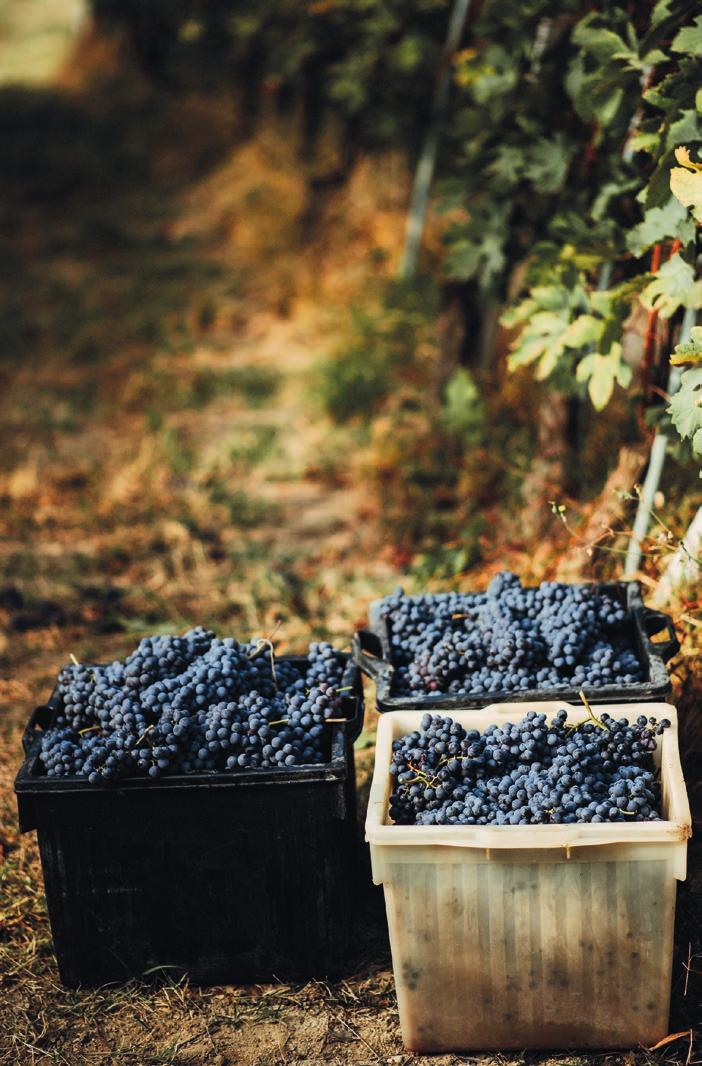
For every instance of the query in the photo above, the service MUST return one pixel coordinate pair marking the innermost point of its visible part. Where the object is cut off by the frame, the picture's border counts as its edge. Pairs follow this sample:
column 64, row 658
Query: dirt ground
column 166, row 462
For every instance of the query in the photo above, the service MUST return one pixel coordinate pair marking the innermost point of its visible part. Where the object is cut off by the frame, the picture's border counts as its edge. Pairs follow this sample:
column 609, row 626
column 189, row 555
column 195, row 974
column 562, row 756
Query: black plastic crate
column 226, row 877
column 373, row 652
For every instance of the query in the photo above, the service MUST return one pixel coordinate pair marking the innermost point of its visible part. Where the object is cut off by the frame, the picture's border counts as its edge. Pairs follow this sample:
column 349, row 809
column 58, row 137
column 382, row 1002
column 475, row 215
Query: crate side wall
column 541, row 955
column 225, row 885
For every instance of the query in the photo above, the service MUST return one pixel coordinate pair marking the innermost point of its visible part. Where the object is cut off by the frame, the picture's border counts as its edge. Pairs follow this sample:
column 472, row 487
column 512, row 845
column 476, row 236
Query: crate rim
column 29, row 782
column 676, row 830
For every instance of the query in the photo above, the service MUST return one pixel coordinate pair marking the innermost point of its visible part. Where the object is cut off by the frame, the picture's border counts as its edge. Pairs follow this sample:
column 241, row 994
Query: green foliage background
column 555, row 158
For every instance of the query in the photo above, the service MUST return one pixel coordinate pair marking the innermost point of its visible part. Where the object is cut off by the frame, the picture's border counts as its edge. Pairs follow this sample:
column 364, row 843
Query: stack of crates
column 540, row 936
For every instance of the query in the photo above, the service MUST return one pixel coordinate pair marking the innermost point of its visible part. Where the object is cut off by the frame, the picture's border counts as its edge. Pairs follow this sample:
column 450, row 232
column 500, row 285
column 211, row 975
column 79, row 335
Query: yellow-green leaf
column 682, row 156
column 673, row 286
column 602, row 372
column 584, row 330
column 686, row 186
column 686, row 407
column 601, row 383
column 689, row 353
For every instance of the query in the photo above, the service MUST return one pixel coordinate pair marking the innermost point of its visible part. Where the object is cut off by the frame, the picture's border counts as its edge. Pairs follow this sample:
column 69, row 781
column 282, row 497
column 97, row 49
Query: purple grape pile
column 533, row 772
column 190, row 704
column 509, row 639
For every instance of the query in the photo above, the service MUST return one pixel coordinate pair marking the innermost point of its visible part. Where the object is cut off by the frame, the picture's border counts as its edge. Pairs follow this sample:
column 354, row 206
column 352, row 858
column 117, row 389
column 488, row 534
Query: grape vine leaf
column 671, row 220
column 689, row 39
column 661, row 10
column 673, row 286
column 547, row 161
column 685, row 408
column 690, row 352
column 685, row 128
column 583, row 330
column 471, row 255
column 602, row 372
column 463, row 410
column 686, row 182
column 600, row 41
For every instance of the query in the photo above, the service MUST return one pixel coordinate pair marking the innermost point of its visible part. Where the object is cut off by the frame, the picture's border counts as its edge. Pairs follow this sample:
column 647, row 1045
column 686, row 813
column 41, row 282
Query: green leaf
column 686, row 186
column 602, row 372
column 601, row 301
column 673, row 286
column 661, row 11
column 672, row 220
column 586, row 366
column 602, row 43
column 651, row 59
column 526, row 352
column 685, row 129
column 645, row 141
column 691, row 351
column 408, row 53
column 518, row 314
column 611, row 191
column 685, row 407
column 610, row 106
column 550, row 297
column 624, row 375
column 463, row 410
column 463, row 259
column 601, row 383
column 582, row 331
column 546, row 163
column 689, row 39
column 542, row 340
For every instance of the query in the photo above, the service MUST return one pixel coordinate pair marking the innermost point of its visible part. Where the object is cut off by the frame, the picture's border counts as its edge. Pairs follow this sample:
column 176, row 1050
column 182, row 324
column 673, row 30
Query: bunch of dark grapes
column 193, row 703
column 509, row 639
column 532, row 773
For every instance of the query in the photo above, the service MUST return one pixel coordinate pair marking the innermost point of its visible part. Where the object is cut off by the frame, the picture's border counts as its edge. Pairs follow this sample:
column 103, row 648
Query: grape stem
column 143, row 735
column 422, row 777
column 282, row 721
column 266, row 643
column 591, row 714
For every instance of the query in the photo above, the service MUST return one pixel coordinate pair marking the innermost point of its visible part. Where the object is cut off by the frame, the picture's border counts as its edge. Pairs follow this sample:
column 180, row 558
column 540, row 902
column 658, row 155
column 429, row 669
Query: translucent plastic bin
column 549, row 936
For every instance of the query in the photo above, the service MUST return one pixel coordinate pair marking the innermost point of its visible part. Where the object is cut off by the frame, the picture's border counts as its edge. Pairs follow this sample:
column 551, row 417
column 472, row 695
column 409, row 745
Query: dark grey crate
column 372, row 651
column 226, row 877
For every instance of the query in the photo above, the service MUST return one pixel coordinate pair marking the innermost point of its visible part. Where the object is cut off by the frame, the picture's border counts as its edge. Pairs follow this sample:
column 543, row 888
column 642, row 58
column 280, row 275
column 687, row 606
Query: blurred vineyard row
column 557, row 262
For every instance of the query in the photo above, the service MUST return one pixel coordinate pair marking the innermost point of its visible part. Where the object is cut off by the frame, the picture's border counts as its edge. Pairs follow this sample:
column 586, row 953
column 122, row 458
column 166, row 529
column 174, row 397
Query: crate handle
column 353, row 700
column 368, row 653
column 39, row 721
column 654, row 622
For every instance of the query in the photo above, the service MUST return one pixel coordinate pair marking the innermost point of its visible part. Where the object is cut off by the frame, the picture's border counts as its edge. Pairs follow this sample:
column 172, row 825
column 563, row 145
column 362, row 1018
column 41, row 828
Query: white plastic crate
column 547, row 936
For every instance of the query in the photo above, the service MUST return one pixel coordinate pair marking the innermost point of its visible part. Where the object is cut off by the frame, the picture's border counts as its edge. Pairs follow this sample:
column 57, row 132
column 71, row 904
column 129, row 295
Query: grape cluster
column 534, row 772
column 509, row 639
column 193, row 703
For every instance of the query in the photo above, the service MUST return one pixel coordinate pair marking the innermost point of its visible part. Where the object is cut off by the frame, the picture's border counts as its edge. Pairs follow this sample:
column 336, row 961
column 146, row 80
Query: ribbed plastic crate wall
column 557, row 936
